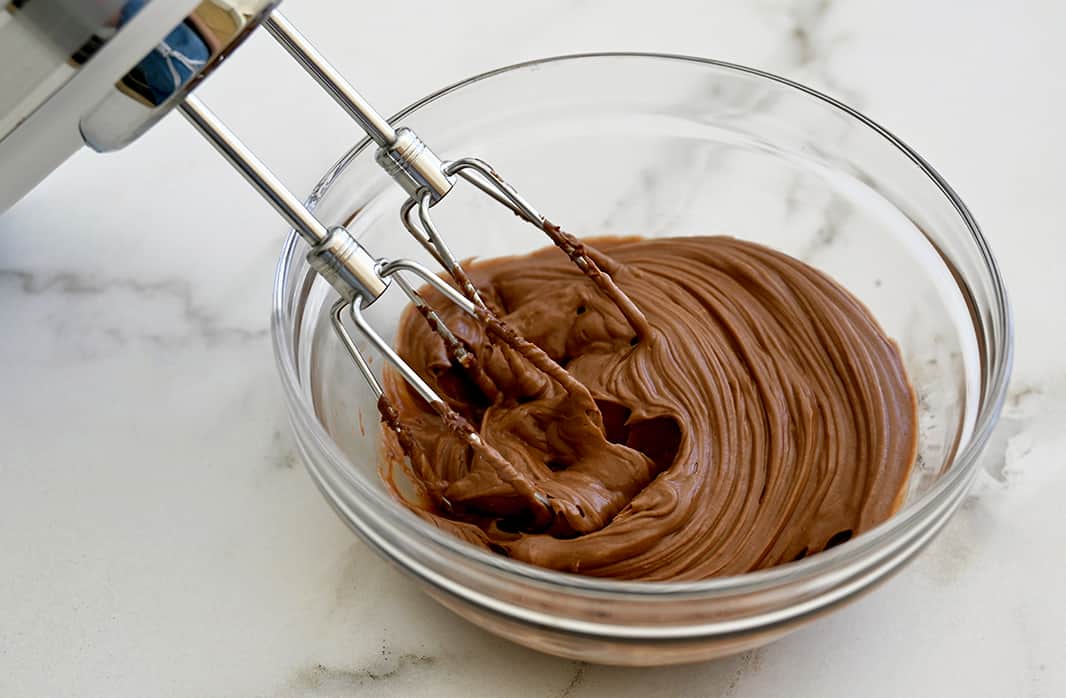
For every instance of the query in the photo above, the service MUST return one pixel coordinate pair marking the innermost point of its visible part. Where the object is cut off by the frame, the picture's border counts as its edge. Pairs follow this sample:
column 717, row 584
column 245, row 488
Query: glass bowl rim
column 995, row 379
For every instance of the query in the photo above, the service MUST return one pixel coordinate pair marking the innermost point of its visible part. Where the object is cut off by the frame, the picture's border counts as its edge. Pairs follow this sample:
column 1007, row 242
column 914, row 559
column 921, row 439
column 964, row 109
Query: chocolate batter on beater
column 751, row 412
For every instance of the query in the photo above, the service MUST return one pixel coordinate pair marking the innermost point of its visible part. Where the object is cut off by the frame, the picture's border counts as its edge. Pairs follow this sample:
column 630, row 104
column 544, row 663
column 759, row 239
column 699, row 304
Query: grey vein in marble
column 575, row 681
column 808, row 47
column 196, row 322
column 324, row 680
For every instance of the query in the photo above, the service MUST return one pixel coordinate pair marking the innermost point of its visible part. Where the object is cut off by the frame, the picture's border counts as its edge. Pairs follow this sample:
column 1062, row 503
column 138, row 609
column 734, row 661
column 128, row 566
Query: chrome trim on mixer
column 414, row 166
column 163, row 77
column 348, row 267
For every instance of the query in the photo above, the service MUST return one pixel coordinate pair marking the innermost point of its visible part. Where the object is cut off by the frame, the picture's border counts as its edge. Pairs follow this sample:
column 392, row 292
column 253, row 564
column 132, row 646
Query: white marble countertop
column 158, row 535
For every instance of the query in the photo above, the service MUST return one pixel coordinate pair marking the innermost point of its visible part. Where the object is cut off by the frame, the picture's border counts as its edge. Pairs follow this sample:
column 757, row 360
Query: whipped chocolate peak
column 756, row 415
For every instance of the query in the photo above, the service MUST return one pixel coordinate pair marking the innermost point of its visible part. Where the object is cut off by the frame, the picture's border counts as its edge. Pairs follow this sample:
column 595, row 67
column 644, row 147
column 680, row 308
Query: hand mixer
column 164, row 79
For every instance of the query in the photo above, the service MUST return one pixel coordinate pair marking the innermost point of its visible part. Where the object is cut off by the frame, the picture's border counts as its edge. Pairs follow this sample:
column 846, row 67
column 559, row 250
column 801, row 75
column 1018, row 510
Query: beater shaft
column 258, row 174
column 371, row 121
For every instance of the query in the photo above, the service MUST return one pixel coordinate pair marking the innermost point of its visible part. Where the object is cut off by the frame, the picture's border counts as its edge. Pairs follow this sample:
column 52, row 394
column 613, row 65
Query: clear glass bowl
column 662, row 145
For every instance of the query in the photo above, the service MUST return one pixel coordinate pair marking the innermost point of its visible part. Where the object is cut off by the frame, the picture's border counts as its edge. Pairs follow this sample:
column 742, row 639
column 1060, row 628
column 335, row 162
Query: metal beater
column 361, row 279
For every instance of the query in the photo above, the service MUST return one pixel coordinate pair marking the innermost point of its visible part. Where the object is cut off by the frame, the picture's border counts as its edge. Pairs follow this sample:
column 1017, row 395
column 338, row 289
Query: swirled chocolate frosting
column 760, row 416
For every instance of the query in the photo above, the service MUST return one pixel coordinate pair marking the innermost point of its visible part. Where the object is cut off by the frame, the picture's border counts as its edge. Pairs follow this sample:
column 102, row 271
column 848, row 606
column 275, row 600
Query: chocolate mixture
column 755, row 414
